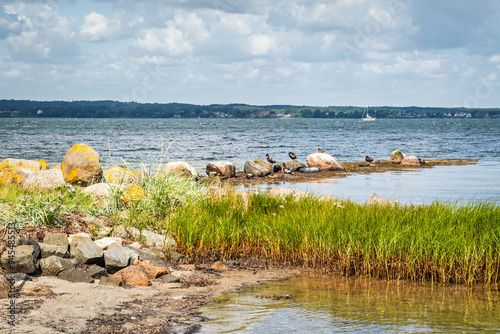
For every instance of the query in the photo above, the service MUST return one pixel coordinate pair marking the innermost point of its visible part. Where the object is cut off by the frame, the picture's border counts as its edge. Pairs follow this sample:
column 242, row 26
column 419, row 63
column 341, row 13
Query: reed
column 442, row 242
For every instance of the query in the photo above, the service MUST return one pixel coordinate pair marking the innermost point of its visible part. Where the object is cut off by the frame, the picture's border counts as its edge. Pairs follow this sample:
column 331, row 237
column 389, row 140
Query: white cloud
column 169, row 41
column 98, row 27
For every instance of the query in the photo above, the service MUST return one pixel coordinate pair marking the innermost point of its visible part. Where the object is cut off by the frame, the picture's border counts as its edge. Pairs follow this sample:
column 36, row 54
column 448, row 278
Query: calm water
column 342, row 305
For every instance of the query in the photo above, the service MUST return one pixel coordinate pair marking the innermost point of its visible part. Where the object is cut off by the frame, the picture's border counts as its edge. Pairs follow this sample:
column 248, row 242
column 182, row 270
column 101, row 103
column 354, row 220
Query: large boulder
column 115, row 258
column 45, row 180
column 294, row 165
column 397, row 156
column 82, row 165
column 264, row 164
column 132, row 193
column 23, row 259
column 324, row 161
column 133, row 275
column 98, row 191
column 119, row 175
column 17, row 170
column 180, row 168
column 53, row 265
column 85, row 250
column 410, row 160
column 151, row 270
column 255, row 169
column 221, row 168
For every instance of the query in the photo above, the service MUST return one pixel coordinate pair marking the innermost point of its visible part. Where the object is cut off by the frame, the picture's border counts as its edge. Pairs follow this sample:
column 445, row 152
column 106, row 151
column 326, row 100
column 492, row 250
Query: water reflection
column 325, row 304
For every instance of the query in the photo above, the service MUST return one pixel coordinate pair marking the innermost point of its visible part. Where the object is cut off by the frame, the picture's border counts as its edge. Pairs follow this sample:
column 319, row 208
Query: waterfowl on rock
column 368, row 159
column 319, row 150
column 270, row 159
column 250, row 176
column 276, row 168
column 422, row 161
column 292, row 155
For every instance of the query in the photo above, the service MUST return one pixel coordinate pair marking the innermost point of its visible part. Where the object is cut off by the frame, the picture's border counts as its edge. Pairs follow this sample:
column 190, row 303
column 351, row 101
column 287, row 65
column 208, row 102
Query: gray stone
column 264, row 164
column 116, row 258
column 126, row 232
column 97, row 271
column 104, row 231
column 12, row 237
column 221, row 168
column 142, row 255
column 108, row 281
column 57, row 239
column 410, row 160
column 309, row 169
column 86, row 251
column 180, row 168
column 293, row 165
column 75, row 275
column 22, row 261
column 177, row 256
column 44, row 180
column 104, row 243
column 255, row 169
column 81, row 234
column 157, row 241
column 170, row 279
column 31, row 242
column 19, row 277
column 50, row 250
column 53, row 265
column 5, row 286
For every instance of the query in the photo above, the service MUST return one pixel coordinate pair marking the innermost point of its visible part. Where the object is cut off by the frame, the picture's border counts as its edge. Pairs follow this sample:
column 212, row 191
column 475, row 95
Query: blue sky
column 320, row 53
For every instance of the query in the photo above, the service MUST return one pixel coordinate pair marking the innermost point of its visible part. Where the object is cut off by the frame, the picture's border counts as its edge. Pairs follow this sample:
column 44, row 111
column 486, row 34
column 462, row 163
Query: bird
column 270, row 159
column 276, row 168
column 368, row 159
column 292, row 155
column 249, row 176
column 319, row 150
column 287, row 171
column 422, row 161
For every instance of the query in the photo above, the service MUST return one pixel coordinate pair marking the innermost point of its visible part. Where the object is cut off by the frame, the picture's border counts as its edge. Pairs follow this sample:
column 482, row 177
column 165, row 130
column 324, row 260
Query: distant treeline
column 114, row 109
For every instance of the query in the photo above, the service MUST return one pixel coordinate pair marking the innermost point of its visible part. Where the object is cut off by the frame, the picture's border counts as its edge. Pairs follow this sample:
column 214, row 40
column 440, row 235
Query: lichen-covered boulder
column 324, row 161
column 119, row 175
column 180, row 168
column 221, row 168
column 132, row 193
column 82, row 165
column 17, row 170
column 397, row 156
column 410, row 160
column 45, row 180
column 255, row 169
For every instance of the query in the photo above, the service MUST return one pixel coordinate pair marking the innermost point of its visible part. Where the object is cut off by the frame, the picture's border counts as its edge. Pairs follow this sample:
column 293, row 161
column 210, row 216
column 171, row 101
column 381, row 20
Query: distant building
column 39, row 112
column 264, row 113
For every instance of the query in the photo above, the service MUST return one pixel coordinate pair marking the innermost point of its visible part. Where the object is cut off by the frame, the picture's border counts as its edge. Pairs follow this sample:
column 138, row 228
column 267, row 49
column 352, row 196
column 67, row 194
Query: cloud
column 98, row 27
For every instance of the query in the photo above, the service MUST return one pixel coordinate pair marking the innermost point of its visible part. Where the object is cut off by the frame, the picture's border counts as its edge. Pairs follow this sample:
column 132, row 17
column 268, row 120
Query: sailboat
column 366, row 116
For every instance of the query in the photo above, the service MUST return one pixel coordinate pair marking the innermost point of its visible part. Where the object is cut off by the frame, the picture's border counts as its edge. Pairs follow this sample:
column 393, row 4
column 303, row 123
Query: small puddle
column 326, row 304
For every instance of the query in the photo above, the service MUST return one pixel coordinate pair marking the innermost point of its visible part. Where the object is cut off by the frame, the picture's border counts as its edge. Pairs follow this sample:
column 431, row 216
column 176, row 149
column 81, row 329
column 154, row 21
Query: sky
column 425, row 53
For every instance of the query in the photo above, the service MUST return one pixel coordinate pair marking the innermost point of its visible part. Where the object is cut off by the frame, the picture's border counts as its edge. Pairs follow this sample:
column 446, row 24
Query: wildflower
column 282, row 207
column 59, row 194
column 274, row 214
column 52, row 209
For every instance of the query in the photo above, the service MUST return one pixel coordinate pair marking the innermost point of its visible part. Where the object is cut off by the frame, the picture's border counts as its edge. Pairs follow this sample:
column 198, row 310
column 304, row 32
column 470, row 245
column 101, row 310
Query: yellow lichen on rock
column 119, row 175
column 81, row 165
column 16, row 170
column 132, row 193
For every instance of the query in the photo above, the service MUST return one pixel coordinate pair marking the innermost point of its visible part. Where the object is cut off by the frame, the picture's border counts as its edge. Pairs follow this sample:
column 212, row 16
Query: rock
column 309, row 169
column 100, row 192
column 16, row 176
column 157, row 241
column 19, row 277
column 104, row 243
column 17, row 170
column 11, row 237
column 177, row 256
column 189, row 267
column 115, row 258
column 136, row 245
column 219, row 266
column 132, row 193
column 53, row 265
column 103, row 232
column 324, row 161
column 397, row 156
column 36, row 289
column 294, row 165
column 76, row 275
column 81, row 234
column 410, row 160
column 31, row 242
column 108, row 281
column 97, row 271
column 284, row 192
column 264, row 164
column 56, row 239
column 85, row 250
column 142, row 255
column 375, row 199
column 255, row 169
column 22, row 261
column 53, row 250
column 170, row 279
column 180, row 168
column 118, row 175
column 82, row 165
column 5, row 286
column 151, row 270
column 133, row 275
column 221, row 168
column 126, row 232
column 44, row 180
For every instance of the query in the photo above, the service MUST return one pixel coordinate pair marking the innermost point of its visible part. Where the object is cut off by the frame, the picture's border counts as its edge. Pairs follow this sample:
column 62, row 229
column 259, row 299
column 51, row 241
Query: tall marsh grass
column 441, row 242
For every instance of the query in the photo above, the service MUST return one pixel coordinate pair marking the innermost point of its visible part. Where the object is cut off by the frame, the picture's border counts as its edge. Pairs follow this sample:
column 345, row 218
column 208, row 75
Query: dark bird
column 292, row 155
column 276, row 168
column 270, row 159
column 368, row 159
column 319, row 150
column 422, row 161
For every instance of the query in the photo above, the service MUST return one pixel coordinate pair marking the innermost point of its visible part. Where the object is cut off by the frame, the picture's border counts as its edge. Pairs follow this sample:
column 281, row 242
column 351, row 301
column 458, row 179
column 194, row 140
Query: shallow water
column 328, row 304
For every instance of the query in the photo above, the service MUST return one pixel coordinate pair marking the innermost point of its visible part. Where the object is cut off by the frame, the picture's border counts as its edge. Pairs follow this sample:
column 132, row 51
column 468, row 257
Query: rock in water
column 82, row 165
column 294, row 165
column 264, row 164
column 255, row 169
column 221, row 168
column 324, row 161
column 397, row 156
column 410, row 160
